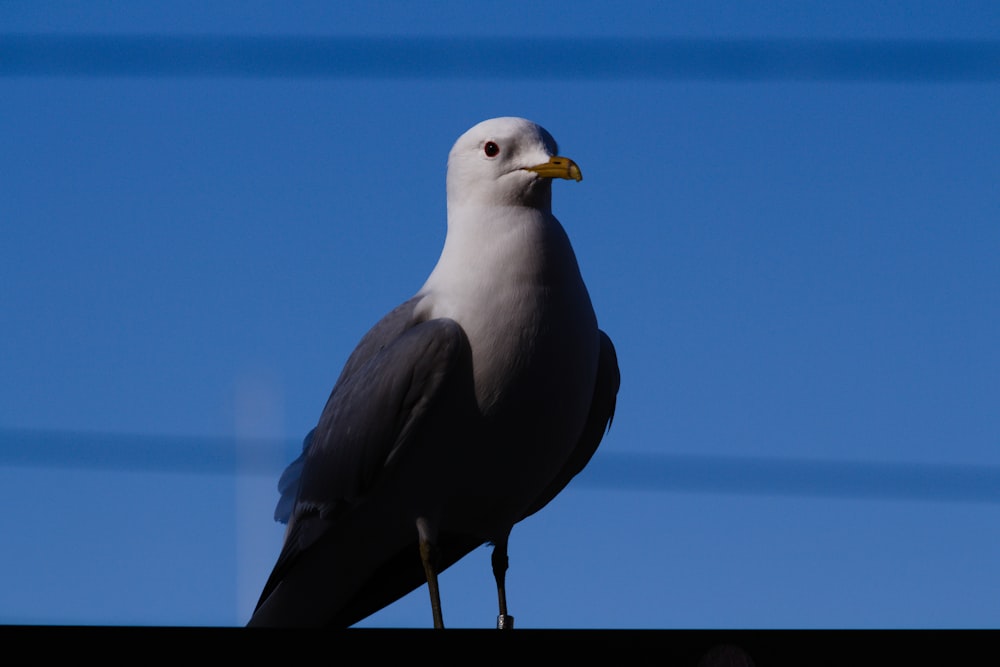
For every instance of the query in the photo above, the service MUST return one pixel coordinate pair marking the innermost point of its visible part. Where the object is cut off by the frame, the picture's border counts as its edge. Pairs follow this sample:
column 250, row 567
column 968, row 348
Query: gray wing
column 602, row 411
column 288, row 483
column 382, row 335
column 373, row 411
column 392, row 381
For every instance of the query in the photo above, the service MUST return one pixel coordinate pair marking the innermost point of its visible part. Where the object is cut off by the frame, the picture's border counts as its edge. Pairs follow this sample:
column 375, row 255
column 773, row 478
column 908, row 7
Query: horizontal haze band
column 54, row 55
column 617, row 471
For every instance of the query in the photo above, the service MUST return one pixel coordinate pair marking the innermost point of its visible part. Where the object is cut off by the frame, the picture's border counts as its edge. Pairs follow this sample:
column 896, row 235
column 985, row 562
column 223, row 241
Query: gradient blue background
column 791, row 270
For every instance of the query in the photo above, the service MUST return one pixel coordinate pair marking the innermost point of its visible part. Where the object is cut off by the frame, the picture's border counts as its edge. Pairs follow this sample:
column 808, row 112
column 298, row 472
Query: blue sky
column 793, row 272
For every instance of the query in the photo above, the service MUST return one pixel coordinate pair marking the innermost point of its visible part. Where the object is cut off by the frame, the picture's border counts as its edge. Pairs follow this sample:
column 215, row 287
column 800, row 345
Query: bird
column 463, row 411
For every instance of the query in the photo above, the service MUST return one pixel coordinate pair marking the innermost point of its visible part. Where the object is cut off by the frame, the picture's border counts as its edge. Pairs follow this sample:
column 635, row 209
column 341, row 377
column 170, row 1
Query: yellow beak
column 558, row 167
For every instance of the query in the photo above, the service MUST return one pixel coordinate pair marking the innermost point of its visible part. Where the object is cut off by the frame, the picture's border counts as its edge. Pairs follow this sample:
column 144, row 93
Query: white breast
column 513, row 283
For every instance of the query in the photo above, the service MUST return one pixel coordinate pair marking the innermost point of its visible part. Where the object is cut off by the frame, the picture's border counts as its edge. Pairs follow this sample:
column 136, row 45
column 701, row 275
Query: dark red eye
column 491, row 149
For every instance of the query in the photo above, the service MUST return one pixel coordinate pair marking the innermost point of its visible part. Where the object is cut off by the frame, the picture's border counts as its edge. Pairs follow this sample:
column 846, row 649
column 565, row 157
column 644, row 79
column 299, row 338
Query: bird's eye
column 491, row 149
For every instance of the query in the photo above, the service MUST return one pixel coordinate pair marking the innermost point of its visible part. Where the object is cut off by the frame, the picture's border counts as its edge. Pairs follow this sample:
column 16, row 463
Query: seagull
column 463, row 411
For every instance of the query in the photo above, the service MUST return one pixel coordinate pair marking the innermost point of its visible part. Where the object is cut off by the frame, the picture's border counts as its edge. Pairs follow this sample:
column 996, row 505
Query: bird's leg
column 428, row 554
column 499, row 560
column 429, row 557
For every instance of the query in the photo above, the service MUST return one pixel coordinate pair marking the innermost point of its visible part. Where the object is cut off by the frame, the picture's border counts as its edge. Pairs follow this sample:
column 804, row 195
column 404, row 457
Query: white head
column 506, row 162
